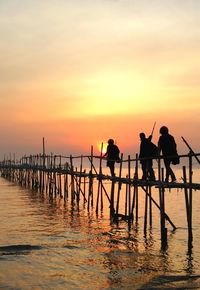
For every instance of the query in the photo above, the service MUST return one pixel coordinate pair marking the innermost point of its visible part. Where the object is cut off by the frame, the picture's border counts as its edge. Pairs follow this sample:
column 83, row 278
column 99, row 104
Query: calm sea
column 47, row 244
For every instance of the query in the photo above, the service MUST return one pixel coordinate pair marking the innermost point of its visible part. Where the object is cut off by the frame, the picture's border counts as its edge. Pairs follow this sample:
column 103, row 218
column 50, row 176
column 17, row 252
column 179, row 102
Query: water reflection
column 75, row 242
column 189, row 261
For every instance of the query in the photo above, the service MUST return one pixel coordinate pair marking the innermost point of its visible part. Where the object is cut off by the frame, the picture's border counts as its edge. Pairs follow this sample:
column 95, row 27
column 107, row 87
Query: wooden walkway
column 65, row 177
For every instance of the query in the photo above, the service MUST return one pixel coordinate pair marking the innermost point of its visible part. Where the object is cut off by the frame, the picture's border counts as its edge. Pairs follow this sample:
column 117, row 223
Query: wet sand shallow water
column 46, row 244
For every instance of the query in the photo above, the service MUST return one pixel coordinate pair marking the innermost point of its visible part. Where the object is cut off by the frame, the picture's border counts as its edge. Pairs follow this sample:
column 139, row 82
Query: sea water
column 48, row 244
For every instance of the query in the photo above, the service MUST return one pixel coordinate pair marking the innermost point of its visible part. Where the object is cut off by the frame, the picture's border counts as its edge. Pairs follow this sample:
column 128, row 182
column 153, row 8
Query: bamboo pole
column 112, row 211
column 90, row 187
column 54, row 176
column 99, row 180
column 145, row 210
column 186, row 200
column 191, row 151
column 72, row 179
column 60, row 177
column 43, row 156
column 190, row 200
column 126, row 199
column 136, row 192
column 101, row 199
column 119, row 186
column 150, row 207
column 51, row 176
column 133, row 201
column 129, row 186
column 163, row 229
column 84, row 185
column 66, row 184
column 80, row 177
column 47, row 175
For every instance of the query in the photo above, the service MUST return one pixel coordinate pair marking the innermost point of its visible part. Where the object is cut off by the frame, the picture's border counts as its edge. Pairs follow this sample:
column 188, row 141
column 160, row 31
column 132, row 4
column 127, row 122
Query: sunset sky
column 79, row 72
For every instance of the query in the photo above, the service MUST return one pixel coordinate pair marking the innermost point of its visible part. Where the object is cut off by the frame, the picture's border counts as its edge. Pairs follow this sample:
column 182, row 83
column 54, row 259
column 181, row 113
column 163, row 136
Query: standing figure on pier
column 167, row 145
column 147, row 150
column 112, row 154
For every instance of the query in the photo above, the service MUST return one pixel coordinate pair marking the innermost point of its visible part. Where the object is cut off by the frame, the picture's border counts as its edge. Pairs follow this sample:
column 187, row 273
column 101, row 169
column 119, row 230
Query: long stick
column 191, row 150
column 153, row 128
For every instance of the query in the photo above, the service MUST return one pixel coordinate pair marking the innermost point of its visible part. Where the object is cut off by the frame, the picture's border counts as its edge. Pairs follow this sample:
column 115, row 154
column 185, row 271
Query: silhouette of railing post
column 99, row 180
column 129, row 187
column 66, row 185
column 119, row 187
column 72, row 180
column 145, row 210
column 190, row 199
column 90, row 187
column 186, row 202
column 150, row 206
column 51, row 175
column 80, row 178
column 135, row 196
column 162, row 205
column 60, row 177
column 112, row 192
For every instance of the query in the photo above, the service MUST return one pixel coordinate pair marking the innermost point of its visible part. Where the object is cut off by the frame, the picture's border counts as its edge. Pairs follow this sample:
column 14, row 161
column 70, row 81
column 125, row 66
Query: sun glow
column 102, row 147
column 118, row 92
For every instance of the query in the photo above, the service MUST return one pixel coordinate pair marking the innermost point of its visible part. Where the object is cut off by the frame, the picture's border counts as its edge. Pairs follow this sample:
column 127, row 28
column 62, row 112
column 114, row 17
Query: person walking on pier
column 147, row 150
column 112, row 154
column 167, row 145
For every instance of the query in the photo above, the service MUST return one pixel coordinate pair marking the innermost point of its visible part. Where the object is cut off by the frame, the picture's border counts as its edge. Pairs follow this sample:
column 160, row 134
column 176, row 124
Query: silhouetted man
column 112, row 154
column 167, row 145
column 146, row 152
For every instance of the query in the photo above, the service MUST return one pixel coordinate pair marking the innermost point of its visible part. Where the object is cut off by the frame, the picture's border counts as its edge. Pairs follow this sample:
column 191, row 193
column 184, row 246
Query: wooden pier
column 65, row 177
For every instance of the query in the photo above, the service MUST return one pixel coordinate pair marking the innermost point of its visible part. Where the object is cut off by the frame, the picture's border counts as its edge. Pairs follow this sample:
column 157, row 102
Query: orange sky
column 80, row 72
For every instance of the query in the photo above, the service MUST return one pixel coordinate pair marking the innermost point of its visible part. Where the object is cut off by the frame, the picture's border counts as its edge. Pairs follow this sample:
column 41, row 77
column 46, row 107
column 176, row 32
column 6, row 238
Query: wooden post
column 51, row 176
column 90, row 188
column 54, row 174
column 60, row 177
column 72, row 180
column 101, row 198
column 66, row 181
column 119, row 187
column 136, row 190
column 150, row 207
column 162, row 207
column 134, row 200
column 43, row 157
column 112, row 212
column 190, row 200
column 84, row 186
column 145, row 211
column 47, row 175
column 100, row 180
column 80, row 177
column 129, row 187
column 40, row 172
column 126, row 198
column 186, row 201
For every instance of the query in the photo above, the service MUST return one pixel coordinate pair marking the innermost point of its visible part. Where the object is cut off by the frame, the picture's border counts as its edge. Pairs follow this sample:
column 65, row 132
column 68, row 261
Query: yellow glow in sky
column 79, row 72
column 113, row 93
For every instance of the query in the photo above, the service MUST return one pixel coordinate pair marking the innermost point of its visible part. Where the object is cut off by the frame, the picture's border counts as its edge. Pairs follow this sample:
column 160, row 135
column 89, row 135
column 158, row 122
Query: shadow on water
column 183, row 282
column 18, row 249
